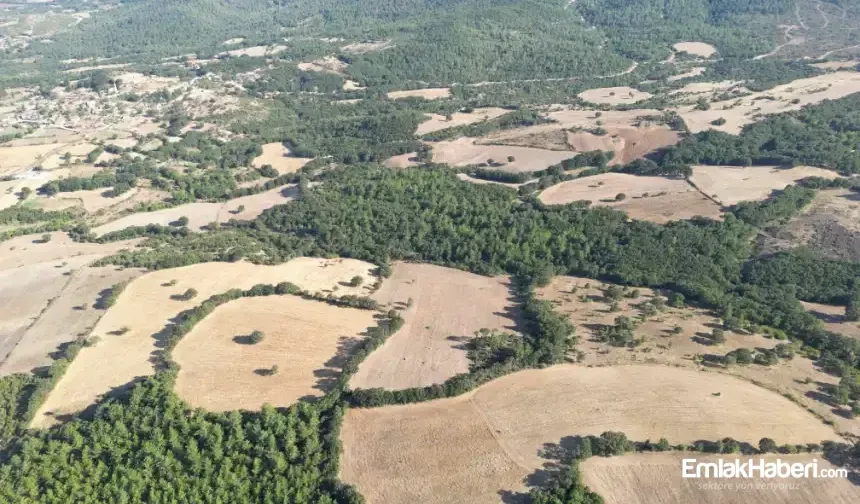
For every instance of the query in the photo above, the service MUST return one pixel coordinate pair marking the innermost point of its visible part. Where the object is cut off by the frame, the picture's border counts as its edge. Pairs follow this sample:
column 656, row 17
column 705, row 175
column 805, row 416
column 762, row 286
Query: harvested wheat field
column 830, row 225
column 146, row 307
column 696, row 49
column 464, row 152
column 15, row 159
column 253, row 52
column 550, row 139
column 739, row 112
column 836, row 65
column 731, row 184
column 278, row 156
column 436, row 122
column 466, row 178
column 308, row 341
column 328, row 64
column 693, row 72
column 447, row 307
column 622, row 95
column 72, row 312
column 834, row 319
column 585, row 304
column 655, row 199
column 95, row 200
column 28, row 250
column 656, row 478
column 427, row 94
column 402, row 161
column 473, row 447
column 202, row 213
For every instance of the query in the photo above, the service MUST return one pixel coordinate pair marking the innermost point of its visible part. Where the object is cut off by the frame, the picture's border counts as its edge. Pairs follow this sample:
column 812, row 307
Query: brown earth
column 308, row 341
column 277, row 155
column 447, row 307
column 655, row 199
column 146, row 307
column 474, row 447
column 731, row 184
column 656, row 478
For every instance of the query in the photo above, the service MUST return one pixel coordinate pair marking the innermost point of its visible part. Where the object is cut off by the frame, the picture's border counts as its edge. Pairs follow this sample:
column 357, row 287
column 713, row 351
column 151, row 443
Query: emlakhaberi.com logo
column 757, row 468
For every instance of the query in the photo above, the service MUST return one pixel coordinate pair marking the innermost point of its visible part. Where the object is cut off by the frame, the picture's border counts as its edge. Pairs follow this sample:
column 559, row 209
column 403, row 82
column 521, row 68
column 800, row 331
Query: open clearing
column 329, row 64
column 200, row 214
column 830, row 225
column 464, row 152
column 472, row 447
column 253, row 52
column 146, row 307
column 696, row 48
column 308, row 341
column 622, row 95
column 278, row 156
column 655, row 478
column 447, row 307
column 731, row 184
column 402, row 160
column 656, row 199
column 583, row 301
column 693, row 72
column 834, row 319
column 427, row 94
column 438, row 122
column 17, row 158
column 739, row 112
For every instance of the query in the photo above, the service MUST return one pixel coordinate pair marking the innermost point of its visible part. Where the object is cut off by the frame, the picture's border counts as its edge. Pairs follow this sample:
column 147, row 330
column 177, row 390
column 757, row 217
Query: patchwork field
column 277, row 155
column 307, row 340
column 477, row 446
column 443, row 308
column 464, row 152
column 730, row 184
column 655, row 199
column 203, row 213
column 146, row 307
column 655, row 478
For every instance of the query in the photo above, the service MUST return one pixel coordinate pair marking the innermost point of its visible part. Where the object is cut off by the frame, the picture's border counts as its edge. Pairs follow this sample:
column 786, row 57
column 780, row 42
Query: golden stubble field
column 277, row 155
column 732, row 184
column 656, row 199
column 146, row 307
column 447, row 307
column 656, row 478
column 587, row 309
column 473, row 447
column 308, row 341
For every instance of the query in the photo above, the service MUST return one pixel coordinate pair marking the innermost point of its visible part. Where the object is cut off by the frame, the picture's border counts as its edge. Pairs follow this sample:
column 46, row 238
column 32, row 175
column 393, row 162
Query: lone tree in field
column 718, row 336
column 185, row 296
column 356, row 281
column 511, row 159
column 620, row 196
column 256, row 337
column 274, row 370
column 25, row 193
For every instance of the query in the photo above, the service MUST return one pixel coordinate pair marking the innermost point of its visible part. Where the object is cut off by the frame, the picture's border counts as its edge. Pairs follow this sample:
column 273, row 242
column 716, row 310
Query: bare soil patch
column 472, row 180
column 15, row 159
column 655, row 478
column 730, row 184
column 693, row 72
column 427, row 94
column 556, row 139
column 307, row 340
column 471, row 448
column 834, row 319
column 696, row 49
column 622, row 95
column 464, row 152
column 447, row 307
column 836, row 65
column 278, row 156
column 438, row 122
column 830, row 225
column 328, row 64
column 253, row 52
column 146, row 307
column 402, row 161
column 366, row 47
column 655, row 199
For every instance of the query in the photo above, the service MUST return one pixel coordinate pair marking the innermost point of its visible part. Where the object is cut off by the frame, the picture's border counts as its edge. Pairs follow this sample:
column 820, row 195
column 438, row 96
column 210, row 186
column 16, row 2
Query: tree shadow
column 459, row 342
column 327, row 377
column 828, row 318
column 702, row 339
column 244, row 339
column 557, row 457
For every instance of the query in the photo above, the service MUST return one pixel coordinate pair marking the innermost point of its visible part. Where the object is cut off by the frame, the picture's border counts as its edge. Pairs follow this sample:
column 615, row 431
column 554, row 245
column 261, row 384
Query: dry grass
column 253, row 52
column 655, row 478
column 202, row 213
column 366, row 47
column 730, row 184
column 696, row 48
column 402, row 161
column 471, row 448
column 621, row 95
column 588, row 311
column 836, row 65
column 655, row 199
column 783, row 98
column 146, row 307
column 25, row 251
column 834, row 319
column 555, row 139
column 427, row 94
column 464, row 151
column 329, row 64
column 472, row 180
column 94, row 200
column 693, row 72
column 307, row 340
column 15, row 159
column 277, row 155
column 438, row 122
column 447, row 307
